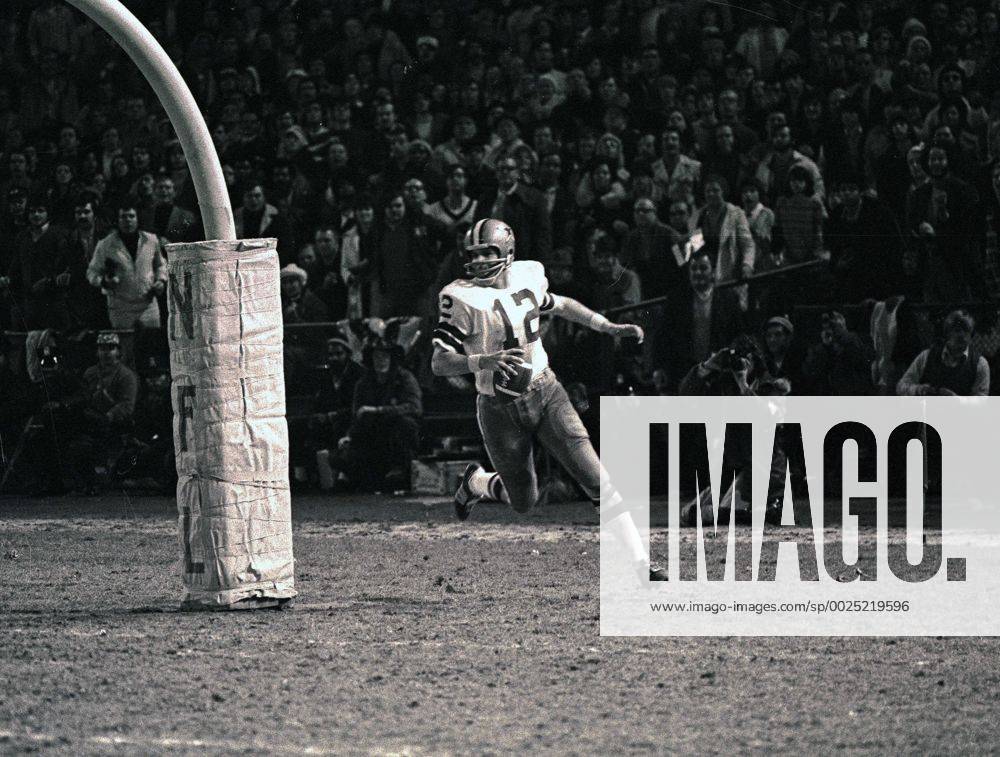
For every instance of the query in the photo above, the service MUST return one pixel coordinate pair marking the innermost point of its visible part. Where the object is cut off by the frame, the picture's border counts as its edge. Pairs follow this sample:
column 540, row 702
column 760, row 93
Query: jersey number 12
column 530, row 335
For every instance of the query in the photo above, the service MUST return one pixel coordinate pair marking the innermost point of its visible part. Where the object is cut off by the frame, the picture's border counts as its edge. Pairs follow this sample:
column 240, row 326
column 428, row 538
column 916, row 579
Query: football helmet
column 488, row 234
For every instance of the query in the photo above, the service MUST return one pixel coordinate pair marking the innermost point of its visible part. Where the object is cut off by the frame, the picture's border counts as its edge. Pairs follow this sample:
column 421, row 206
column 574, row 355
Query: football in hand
column 511, row 387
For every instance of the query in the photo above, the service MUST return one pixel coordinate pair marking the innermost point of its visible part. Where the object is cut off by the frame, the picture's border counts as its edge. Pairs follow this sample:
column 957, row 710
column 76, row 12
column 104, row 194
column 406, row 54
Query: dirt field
column 417, row 635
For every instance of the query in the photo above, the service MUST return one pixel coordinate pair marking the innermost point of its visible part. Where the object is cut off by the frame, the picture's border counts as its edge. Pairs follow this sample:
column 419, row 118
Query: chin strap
column 488, row 280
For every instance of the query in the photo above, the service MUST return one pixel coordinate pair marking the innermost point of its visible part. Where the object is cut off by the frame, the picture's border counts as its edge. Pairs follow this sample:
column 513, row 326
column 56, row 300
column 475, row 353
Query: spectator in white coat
column 129, row 267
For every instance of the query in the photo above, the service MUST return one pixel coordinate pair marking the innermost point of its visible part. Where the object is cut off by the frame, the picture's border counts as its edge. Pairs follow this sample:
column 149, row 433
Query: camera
column 742, row 353
column 110, row 274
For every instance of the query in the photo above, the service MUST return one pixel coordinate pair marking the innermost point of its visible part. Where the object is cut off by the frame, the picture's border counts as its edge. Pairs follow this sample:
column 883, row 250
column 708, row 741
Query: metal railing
column 757, row 278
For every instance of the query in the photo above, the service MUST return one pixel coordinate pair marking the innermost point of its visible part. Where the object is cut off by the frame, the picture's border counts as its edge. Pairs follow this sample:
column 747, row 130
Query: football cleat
column 651, row 571
column 465, row 499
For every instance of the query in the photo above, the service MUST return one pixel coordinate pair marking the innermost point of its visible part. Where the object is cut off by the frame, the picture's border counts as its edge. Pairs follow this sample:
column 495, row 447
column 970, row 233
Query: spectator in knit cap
column 298, row 304
column 333, row 406
column 382, row 438
column 110, row 390
column 782, row 360
column 428, row 61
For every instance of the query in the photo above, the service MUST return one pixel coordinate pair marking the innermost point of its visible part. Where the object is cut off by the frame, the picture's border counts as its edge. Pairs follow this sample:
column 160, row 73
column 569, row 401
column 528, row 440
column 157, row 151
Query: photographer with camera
column 129, row 268
column 949, row 368
column 55, row 400
column 729, row 372
column 738, row 370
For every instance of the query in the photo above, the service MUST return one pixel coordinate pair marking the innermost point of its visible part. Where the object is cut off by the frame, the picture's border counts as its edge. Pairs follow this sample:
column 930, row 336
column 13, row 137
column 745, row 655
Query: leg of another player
column 564, row 435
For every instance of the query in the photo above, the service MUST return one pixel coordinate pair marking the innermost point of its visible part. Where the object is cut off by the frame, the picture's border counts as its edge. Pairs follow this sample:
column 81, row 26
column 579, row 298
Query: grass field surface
column 415, row 634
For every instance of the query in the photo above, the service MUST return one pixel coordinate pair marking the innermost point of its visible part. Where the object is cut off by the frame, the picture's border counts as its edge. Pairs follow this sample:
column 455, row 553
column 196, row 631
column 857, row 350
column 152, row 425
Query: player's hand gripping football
column 504, row 360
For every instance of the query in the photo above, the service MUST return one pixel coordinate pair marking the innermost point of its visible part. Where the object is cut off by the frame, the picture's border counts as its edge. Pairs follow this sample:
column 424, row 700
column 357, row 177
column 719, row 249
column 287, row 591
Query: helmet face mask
column 489, row 250
column 486, row 271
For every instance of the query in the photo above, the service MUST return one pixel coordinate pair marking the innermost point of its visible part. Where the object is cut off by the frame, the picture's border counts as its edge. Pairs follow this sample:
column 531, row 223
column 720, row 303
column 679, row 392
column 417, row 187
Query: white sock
column 486, row 485
column 497, row 490
column 479, row 482
column 623, row 528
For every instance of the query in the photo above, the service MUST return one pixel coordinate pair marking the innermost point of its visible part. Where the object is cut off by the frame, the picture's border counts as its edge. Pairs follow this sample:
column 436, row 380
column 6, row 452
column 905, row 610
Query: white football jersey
column 476, row 319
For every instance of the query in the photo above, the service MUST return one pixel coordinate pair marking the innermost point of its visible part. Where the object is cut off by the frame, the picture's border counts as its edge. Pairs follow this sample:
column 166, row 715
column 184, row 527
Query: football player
column 489, row 326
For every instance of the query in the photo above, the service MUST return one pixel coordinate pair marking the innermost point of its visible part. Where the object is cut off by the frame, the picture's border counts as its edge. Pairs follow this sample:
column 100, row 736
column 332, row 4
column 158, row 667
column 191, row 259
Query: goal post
column 177, row 100
column 227, row 379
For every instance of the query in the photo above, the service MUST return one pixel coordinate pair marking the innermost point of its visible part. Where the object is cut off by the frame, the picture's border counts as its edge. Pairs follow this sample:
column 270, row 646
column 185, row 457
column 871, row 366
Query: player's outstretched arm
column 577, row 312
column 447, row 363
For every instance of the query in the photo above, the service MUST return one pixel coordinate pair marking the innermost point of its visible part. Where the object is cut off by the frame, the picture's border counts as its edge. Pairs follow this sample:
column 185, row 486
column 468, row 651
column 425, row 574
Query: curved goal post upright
column 227, row 380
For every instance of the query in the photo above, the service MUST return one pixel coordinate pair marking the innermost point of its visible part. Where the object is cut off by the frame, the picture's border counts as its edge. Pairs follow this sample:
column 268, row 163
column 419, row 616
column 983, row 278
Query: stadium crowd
column 795, row 198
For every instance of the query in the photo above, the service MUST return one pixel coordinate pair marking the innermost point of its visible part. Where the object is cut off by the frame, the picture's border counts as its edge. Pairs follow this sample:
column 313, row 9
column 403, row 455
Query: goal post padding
column 230, row 433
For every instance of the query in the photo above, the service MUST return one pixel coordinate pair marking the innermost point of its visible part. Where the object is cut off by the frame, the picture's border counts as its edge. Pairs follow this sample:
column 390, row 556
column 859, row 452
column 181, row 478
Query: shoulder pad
column 528, row 268
column 459, row 289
